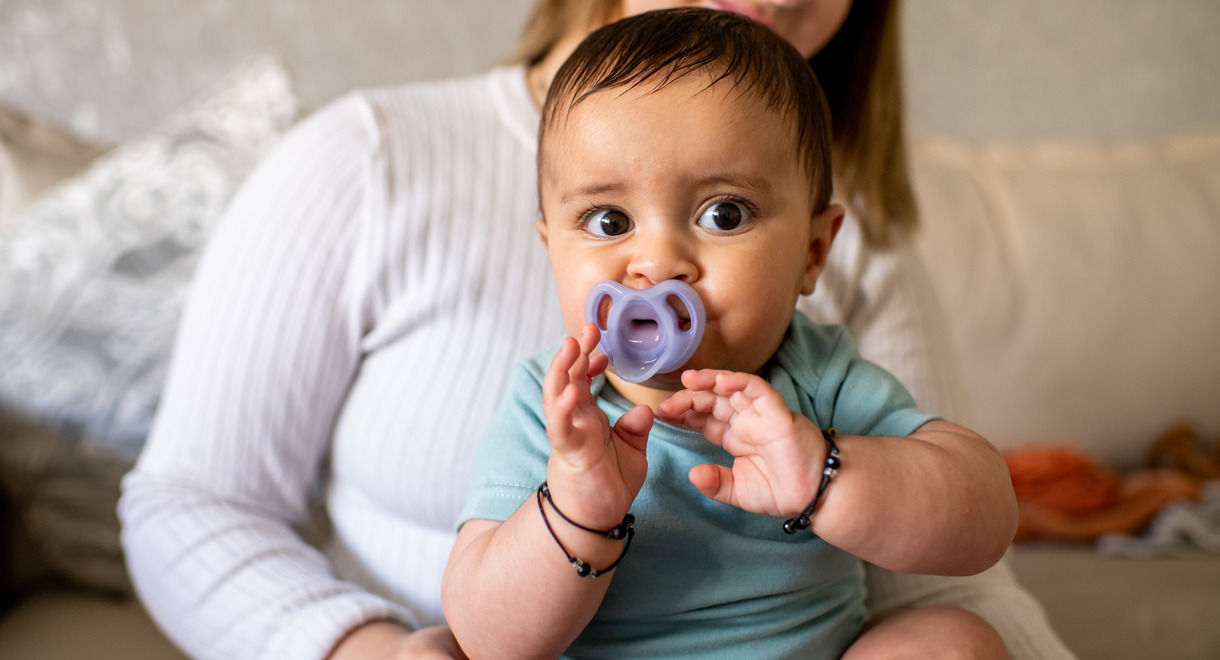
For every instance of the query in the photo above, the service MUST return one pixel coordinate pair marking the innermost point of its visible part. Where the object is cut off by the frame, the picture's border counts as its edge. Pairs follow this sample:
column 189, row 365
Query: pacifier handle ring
column 599, row 292
column 694, row 310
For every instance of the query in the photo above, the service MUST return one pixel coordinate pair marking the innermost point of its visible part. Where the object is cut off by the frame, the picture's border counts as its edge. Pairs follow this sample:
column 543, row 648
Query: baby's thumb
column 634, row 425
column 714, row 481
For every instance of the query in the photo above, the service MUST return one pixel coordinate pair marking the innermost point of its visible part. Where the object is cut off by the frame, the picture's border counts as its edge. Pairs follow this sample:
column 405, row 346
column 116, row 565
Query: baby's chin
column 668, row 382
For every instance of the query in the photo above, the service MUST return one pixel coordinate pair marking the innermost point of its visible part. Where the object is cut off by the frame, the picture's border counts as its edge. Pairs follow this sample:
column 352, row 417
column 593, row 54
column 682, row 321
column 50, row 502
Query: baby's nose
column 661, row 257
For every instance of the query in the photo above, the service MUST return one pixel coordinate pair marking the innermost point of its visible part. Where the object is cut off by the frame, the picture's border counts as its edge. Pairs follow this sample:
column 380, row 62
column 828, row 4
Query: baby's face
column 691, row 183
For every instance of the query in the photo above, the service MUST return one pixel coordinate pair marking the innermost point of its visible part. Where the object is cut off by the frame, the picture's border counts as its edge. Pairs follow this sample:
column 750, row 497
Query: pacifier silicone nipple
column 643, row 335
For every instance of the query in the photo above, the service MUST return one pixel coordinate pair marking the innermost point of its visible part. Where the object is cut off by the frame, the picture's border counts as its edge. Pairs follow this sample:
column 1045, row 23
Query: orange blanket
column 1064, row 493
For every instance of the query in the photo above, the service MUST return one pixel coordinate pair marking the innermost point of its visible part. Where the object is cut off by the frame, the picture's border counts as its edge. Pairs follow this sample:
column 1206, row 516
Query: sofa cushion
column 62, row 623
column 1080, row 281
column 92, row 279
column 1124, row 609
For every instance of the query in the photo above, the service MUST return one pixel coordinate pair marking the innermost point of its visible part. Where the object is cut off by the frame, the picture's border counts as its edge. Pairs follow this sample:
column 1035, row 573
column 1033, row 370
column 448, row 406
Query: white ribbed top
column 351, row 328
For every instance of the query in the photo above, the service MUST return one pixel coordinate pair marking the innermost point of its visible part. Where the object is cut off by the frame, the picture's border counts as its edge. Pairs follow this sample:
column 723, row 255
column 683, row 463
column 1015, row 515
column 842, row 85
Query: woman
column 379, row 271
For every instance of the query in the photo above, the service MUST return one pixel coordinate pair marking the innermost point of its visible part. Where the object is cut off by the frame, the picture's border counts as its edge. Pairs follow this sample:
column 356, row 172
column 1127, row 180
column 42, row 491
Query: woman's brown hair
column 861, row 72
column 552, row 20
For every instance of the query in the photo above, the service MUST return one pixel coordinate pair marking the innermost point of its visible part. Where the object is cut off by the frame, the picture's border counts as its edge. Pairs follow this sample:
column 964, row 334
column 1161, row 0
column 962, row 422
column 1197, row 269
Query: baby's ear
column 540, row 227
column 823, row 230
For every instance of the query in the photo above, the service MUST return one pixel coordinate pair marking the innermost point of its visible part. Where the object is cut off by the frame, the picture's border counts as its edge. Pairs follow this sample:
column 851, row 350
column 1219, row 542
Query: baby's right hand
column 595, row 471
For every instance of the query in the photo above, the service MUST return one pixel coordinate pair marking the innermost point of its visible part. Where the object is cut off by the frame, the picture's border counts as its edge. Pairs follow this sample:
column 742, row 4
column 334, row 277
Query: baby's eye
column 607, row 223
column 724, row 216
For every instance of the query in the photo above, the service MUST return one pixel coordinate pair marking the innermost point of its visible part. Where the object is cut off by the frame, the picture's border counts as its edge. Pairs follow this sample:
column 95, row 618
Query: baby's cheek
column 572, row 304
column 756, row 336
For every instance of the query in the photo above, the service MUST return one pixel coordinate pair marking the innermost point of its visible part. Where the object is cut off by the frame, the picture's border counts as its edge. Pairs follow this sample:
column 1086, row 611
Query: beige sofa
column 1066, row 159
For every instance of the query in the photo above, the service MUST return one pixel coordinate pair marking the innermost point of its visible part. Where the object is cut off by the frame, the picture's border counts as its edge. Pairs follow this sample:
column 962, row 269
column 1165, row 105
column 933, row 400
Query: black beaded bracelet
column 833, row 463
column 624, row 530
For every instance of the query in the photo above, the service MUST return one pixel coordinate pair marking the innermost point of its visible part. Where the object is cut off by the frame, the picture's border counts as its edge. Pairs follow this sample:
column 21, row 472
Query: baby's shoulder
column 807, row 338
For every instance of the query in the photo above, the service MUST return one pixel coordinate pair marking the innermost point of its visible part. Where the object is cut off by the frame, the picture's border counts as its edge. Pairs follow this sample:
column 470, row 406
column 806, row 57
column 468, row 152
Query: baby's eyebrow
column 592, row 190
column 735, row 180
column 738, row 181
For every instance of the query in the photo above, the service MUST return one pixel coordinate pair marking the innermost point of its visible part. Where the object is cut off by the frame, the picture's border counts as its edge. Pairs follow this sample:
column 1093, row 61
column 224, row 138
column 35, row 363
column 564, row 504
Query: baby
column 667, row 517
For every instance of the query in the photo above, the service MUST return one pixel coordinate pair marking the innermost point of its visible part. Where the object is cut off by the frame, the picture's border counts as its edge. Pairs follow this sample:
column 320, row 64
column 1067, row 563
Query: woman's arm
column 264, row 357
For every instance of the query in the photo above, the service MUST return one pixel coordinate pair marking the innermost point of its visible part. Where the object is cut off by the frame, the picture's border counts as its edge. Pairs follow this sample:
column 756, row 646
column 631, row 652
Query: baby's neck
column 640, row 394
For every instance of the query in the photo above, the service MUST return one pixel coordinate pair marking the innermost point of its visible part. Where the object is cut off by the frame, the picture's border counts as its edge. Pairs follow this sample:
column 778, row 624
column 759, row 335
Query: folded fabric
column 1063, row 493
column 1180, row 528
column 1061, row 478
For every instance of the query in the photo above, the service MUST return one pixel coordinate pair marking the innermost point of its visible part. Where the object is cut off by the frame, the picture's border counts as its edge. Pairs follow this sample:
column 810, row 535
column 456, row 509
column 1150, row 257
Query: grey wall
column 975, row 69
column 1062, row 68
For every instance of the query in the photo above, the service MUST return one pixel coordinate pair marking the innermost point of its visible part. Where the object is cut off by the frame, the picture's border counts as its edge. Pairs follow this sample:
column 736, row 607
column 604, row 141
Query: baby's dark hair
column 663, row 46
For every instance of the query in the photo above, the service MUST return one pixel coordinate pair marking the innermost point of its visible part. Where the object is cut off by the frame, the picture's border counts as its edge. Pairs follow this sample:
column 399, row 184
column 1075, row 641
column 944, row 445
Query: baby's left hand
column 778, row 453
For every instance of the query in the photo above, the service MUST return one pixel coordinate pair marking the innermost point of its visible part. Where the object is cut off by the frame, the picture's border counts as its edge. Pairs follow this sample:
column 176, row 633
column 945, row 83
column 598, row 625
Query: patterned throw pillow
column 92, row 282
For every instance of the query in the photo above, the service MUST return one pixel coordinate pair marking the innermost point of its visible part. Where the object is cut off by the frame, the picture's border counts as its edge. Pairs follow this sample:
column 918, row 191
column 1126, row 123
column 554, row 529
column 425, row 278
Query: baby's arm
column 938, row 501
column 509, row 590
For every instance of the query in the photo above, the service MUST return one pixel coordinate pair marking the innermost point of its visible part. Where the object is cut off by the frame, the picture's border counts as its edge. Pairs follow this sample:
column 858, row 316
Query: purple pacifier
column 642, row 336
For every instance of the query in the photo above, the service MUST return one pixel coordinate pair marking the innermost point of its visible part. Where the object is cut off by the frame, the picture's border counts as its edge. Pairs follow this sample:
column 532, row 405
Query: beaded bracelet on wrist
column 804, row 519
column 622, row 531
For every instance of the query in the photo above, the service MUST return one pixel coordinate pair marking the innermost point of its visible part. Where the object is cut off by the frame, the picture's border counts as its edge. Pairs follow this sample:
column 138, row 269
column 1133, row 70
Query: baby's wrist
column 592, row 549
column 585, row 503
column 829, row 466
column 814, row 462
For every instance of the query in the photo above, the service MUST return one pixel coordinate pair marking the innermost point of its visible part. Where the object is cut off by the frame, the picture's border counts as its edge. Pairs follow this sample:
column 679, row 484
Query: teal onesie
column 704, row 579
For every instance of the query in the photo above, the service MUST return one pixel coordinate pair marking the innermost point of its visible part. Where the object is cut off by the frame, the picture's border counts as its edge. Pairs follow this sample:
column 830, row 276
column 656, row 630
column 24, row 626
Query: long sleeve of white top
column 268, row 345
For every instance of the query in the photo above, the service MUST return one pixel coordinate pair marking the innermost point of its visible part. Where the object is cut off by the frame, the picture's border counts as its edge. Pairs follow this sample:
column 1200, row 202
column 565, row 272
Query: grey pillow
column 92, row 281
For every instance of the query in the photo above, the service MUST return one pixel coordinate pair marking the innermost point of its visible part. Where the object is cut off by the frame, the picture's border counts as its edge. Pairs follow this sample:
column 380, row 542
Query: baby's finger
column 590, row 334
column 633, row 426
column 677, row 403
column 694, row 411
column 561, row 419
column 676, row 407
column 746, row 391
column 728, row 382
column 578, row 373
column 714, row 481
column 742, row 392
column 709, row 404
column 712, row 429
column 701, row 379
column 597, row 364
column 556, row 378
column 582, row 366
